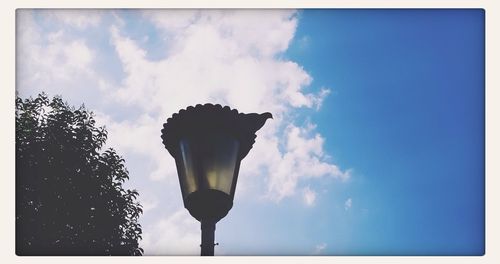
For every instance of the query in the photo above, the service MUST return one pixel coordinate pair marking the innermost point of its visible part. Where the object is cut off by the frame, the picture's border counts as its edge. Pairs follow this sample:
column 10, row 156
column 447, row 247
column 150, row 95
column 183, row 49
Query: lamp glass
column 208, row 163
column 187, row 175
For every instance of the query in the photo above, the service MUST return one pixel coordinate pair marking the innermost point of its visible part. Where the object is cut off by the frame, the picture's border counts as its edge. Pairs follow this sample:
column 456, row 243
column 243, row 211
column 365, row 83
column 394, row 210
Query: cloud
column 348, row 204
column 175, row 234
column 304, row 42
column 262, row 33
column 219, row 57
column 302, row 159
column 309, row 196
column 56, row 59
column 75, row 17
column 55, row 62
column 319, row 248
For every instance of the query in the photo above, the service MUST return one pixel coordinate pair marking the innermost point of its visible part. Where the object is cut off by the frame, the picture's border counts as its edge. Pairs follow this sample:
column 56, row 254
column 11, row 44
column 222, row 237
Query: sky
column 377, row 141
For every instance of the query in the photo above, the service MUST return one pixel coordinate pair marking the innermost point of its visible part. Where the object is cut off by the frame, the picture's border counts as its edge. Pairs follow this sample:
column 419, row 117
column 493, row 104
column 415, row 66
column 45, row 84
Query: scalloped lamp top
column 203, row 120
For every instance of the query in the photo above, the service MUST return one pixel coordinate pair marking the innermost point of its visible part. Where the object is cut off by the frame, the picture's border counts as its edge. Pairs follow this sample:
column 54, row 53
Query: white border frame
column 7, row 131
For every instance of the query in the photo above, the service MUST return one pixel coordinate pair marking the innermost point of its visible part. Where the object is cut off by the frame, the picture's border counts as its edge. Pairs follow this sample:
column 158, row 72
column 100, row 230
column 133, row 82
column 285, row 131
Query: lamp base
column 208, row 204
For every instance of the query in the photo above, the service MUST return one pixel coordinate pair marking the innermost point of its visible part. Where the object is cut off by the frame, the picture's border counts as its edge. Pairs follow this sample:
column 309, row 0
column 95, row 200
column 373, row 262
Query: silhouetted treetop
column 69, row 194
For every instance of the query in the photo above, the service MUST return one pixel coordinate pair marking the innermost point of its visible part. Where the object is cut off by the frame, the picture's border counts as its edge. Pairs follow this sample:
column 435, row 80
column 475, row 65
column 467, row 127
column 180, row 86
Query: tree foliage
column 69, row 194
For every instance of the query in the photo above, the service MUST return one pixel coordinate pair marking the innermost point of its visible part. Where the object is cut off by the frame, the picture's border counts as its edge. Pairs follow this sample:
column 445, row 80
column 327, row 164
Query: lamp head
column 208, row 143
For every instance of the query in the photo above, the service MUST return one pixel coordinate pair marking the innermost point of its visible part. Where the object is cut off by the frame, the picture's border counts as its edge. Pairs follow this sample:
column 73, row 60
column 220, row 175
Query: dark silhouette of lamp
column 208, row 143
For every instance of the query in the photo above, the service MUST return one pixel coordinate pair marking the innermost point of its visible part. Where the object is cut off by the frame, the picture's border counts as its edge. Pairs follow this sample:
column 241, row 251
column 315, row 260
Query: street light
column 208, row 143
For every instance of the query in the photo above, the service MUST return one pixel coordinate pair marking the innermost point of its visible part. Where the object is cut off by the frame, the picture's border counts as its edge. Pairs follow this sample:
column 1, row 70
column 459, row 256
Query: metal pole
column 207, row 237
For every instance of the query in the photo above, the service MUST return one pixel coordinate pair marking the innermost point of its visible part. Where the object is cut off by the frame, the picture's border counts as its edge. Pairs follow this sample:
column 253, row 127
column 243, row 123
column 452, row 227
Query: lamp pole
column 207, row 237
column 208, row 143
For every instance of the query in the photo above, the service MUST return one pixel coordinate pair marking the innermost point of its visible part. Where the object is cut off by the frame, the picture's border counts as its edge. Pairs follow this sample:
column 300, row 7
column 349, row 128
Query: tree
column 69, row 194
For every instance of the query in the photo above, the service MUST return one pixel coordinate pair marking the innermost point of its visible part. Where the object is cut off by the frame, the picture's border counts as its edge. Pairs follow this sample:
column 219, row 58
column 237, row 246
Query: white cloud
column 304, row 42
column 176, row 234
column 319, row 248
column 141, row 136
column 75, row 17
column 318, row 100
column 302, row 159
column 50, row 62
column 212, row 60
column 309, row 196
column 259, row 33
column 348, row 204
column 172, row 20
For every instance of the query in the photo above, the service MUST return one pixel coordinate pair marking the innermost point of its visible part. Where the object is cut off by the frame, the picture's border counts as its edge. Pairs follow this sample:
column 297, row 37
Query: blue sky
column 377, row 146
column 408, row 114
